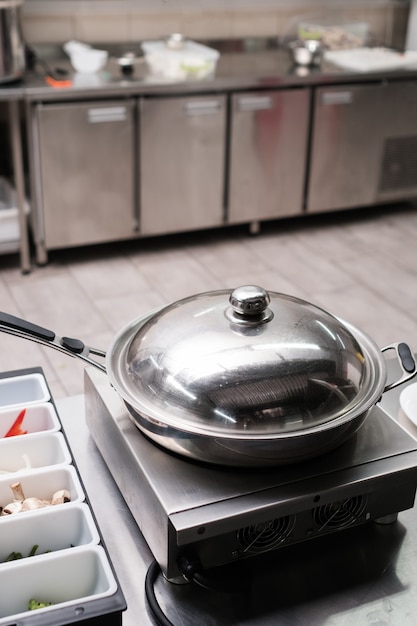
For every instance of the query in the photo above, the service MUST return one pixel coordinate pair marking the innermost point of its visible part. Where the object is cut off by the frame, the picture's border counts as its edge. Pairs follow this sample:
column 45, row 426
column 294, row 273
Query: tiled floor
column 361, row 266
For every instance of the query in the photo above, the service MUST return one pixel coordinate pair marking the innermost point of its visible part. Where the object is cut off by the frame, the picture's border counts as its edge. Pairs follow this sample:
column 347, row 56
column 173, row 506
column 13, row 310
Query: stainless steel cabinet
column 269, row 135
column 181, row 164
column 84, row 173
column 346, row 147
column 397, row 176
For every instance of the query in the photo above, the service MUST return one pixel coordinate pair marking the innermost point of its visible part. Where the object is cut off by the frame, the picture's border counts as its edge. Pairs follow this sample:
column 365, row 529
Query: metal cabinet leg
column 16, row 142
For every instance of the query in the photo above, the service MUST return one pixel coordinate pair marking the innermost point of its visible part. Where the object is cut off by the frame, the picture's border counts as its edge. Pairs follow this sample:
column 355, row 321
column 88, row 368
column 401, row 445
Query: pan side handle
column 406, row 360
column 27, row 330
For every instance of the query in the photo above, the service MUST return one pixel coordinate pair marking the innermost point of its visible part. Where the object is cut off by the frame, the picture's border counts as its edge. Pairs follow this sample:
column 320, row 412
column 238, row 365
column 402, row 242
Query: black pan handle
column 27, row 327
column 406, row 360
column 69, row 345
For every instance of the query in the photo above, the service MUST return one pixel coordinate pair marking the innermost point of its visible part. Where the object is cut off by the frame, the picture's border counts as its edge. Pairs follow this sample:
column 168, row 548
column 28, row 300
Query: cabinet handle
column 206, row 107
column 107, row 114
column 255, row 104
column 337, row 97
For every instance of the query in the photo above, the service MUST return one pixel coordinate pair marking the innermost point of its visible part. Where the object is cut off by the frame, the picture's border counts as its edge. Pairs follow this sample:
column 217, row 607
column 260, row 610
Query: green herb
column 36, row 604
column 14, row 556
column 33, row 551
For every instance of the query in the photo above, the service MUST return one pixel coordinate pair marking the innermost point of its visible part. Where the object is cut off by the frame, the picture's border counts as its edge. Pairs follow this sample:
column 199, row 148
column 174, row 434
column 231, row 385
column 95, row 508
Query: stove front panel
column 262, row 522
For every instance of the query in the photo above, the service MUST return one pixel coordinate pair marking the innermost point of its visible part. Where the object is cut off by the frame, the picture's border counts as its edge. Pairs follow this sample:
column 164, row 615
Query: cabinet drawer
column 268, row 153
column 182, row 155
column 86, row 177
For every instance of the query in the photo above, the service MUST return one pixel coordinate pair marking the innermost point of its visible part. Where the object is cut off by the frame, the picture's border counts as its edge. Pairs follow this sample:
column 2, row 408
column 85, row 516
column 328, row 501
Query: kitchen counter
column 365, row 575
column 243, row 64
column 255, row 65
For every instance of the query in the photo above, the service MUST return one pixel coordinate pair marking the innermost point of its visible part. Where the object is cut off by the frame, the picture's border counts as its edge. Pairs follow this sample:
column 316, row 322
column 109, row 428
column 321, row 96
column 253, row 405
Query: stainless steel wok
column 244, row 378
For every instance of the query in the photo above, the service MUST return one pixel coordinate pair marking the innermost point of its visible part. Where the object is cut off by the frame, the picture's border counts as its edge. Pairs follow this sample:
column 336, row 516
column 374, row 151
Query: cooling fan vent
column 265, row 536
column 339, row 514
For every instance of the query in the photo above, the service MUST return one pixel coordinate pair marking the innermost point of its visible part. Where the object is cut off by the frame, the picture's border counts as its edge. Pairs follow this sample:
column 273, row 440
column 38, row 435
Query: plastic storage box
column 191, row 61
column 333, row 35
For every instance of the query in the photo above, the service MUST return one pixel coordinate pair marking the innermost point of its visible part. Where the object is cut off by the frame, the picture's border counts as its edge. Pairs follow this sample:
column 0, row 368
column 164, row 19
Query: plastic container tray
column 70, row 566
column 41, row 483
column 67, row 579
column 20, row 391
column 52, row 529
column 27, row 452
column 38, row 418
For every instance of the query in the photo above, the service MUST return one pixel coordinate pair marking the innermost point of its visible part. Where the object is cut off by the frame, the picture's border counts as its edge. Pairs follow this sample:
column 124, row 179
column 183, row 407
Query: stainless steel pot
column 247, row 378
column 306, row 52
column 12, row 49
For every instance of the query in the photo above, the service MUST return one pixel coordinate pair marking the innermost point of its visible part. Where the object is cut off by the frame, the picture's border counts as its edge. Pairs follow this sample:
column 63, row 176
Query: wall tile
column 98, row 28
column 145, row 26
column 250, row 24
column 50, row 28
column 122, row 20
column 207, row 25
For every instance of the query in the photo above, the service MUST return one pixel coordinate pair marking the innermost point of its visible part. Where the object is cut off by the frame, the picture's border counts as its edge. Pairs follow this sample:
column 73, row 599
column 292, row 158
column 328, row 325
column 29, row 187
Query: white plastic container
column 85, row 59
column 192, row 61
column 38, row 418
column 66, row 578
column 41, row 483
column 334, row 35
column 52, row 529
column 27, row 452
column 23, row 390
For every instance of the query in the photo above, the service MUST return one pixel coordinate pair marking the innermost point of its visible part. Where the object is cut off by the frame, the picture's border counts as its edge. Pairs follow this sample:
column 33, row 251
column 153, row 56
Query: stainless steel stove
column 210, row 515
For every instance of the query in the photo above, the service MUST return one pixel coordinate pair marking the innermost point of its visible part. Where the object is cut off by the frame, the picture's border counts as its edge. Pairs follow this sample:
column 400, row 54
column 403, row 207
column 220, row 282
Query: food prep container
column 52, row 529
column 68, row 579
column 38, row 418
column 190, row 60
column 61, row 556
column 335, row 35
column 23, row 390
column 42, row 483
column 26, row 452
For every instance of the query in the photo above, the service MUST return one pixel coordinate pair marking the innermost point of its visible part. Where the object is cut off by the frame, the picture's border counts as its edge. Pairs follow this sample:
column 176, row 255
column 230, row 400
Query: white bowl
column 88, row 60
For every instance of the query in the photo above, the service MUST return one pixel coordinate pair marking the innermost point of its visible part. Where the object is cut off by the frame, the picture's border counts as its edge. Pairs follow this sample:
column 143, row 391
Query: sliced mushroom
column 12, row 507
column 61, row 496
column 17, row 491
column 30, row 504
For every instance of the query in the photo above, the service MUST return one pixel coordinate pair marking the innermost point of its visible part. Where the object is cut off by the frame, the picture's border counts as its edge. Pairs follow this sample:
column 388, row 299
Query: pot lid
column 248, row 363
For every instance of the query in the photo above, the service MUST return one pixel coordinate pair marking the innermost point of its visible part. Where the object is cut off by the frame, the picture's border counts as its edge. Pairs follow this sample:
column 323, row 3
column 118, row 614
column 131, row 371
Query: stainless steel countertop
column 365, row 575
column 243, row 64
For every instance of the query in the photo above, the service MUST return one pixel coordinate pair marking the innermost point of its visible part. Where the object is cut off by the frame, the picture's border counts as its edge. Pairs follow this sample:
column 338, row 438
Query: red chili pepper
column 15, row 428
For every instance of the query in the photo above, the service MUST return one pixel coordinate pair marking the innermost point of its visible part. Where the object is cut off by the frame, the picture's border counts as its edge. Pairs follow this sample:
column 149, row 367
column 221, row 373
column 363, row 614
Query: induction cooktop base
column 211, row 516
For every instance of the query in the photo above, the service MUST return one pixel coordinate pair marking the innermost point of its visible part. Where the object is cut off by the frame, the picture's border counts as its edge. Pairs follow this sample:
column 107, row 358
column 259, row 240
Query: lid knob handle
column 249, row 304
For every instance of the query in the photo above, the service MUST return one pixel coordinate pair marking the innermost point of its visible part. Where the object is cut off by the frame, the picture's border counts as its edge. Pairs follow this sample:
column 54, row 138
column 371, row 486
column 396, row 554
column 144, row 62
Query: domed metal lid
column 248, row 363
